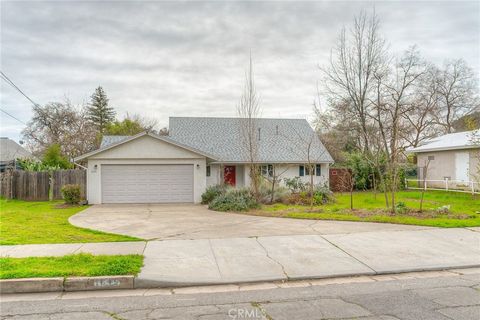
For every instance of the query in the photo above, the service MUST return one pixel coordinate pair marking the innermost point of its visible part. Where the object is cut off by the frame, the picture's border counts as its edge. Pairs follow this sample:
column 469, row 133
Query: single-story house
column 10, row 151
column 200, row 152
column 453, row 156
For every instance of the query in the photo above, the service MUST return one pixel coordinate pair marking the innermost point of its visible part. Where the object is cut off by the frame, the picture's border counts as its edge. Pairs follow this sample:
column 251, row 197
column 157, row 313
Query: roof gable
column 144, row 145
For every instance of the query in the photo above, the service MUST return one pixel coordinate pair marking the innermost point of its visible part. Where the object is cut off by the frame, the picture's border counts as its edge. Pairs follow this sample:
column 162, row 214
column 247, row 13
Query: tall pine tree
column 99, row 112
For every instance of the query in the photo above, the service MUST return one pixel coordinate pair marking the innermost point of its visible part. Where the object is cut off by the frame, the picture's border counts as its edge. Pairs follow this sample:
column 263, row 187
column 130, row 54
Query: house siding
column 284, row 170
column 144, row 150
column 444, row 166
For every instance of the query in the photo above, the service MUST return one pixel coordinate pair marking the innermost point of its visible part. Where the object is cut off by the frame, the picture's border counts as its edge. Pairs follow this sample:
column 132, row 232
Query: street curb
column 69, row 284
column 145, row 283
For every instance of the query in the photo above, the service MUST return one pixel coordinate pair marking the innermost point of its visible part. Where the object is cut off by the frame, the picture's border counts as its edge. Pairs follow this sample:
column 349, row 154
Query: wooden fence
column 339, row 179
column 42, row 185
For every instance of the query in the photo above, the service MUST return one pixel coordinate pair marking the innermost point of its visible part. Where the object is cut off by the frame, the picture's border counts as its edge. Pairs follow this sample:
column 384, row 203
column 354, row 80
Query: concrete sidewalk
column 216, row 261
column 250, row 259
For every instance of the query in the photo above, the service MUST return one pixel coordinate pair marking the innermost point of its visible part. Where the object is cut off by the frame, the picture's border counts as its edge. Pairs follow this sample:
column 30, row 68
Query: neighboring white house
column 199, row 152
column 453, row 156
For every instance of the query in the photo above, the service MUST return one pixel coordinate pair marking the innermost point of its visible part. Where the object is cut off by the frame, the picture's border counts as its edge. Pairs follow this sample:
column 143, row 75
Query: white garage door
column 147, row 183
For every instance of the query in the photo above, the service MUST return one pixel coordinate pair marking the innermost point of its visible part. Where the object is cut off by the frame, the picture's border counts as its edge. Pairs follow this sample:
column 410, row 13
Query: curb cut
column 68, row 284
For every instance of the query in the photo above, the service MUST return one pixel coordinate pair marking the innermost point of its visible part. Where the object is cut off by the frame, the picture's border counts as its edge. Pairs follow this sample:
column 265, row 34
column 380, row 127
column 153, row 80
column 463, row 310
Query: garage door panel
column 147, row 183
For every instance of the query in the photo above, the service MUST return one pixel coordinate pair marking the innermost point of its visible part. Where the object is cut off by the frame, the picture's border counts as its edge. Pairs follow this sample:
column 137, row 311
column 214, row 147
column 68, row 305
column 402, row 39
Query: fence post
column 425, row 184
column 473, row 187
column 446, row 184
column 406, row 183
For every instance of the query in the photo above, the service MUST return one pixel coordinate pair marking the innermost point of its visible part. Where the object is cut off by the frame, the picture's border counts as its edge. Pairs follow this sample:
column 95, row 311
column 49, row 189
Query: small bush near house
column 234, row 200
column 265, row 193
column 295, row 184
column 212, row 192
column 322, row 195
column 71, row 193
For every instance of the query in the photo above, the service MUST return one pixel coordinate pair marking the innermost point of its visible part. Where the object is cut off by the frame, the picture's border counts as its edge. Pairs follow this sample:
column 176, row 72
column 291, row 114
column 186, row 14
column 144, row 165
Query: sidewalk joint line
column 350, row 255
column 215, row 257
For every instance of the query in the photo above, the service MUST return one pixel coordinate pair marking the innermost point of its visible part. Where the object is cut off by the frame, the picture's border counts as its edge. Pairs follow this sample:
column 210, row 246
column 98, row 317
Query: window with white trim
column 267, row 170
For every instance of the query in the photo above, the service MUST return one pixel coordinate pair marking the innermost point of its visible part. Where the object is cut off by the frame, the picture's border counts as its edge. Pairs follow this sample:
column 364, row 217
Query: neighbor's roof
column 280, row 140
column 10, row 150
column 108, row 140
column 452, row 141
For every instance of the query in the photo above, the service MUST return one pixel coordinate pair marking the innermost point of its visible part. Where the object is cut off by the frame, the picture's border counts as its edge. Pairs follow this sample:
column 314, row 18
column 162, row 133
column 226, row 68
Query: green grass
column 463, row 209
column 71, row 265
column 24, row 222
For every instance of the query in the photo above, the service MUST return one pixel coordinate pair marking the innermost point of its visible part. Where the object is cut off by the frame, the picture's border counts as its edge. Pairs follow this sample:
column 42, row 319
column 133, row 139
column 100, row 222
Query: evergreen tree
column 53, row 158
column 99, row 113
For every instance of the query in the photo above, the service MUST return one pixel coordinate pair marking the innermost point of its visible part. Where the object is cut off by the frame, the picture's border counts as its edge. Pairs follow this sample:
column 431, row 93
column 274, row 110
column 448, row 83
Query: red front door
column 229, row 175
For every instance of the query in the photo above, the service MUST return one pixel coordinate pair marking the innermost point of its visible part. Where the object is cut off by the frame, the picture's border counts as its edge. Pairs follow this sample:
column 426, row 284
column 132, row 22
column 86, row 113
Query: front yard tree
column 248, row 111
column 349, row 77
column 99, row 113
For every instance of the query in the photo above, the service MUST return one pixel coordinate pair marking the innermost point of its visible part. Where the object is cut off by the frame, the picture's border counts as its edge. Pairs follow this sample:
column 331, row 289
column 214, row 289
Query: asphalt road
column 431, row 295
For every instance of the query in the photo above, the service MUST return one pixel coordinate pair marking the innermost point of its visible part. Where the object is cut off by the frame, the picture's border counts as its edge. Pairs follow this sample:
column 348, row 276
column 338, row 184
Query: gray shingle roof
column 108, row 140
column 281, row 140
column 10, row 150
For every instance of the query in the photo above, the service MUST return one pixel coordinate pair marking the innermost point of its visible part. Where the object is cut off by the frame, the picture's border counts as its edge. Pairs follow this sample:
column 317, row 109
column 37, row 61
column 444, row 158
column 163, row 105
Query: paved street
column 437, row 295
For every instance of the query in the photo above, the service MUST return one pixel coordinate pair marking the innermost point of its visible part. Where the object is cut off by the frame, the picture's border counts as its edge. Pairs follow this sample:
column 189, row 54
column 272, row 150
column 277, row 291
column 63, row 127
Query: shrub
column 265, row 193
column 295, row 184
column 234, row 200
column 71, row 193
column 443, row 209
column 212, row 192
column 401, row 207
column 322, row 195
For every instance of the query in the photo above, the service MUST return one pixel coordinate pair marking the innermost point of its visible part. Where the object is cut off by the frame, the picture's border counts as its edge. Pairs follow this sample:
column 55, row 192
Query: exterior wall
column 144, row 150
column 215, row 175
column 475, row 165
column 443, row 166
column 283, row 170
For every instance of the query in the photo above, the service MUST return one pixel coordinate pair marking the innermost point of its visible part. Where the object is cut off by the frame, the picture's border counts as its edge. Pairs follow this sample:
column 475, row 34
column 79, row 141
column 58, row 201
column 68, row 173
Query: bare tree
column 248, row 111
column 421, row 118
column 60, row 123
column 354, row 61
column 395, row 96
column 458, row 90
column 306, row 145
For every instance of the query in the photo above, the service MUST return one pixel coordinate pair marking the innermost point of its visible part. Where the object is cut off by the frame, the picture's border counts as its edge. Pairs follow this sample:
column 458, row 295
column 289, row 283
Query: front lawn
column 25, row 222
column 462, row 211
column 78, row 265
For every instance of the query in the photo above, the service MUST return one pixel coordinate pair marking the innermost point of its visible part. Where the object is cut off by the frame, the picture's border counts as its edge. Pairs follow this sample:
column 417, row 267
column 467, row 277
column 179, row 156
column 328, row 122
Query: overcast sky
column 162, row 59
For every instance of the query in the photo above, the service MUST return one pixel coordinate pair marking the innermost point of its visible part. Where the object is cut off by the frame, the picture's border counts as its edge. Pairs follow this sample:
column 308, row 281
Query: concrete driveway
column 183, row 221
